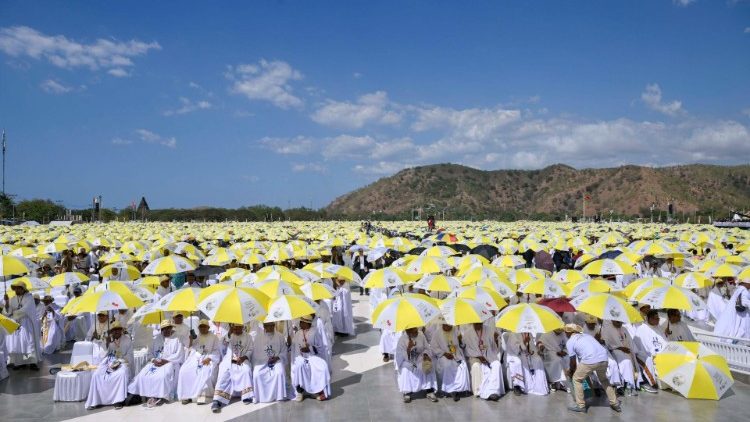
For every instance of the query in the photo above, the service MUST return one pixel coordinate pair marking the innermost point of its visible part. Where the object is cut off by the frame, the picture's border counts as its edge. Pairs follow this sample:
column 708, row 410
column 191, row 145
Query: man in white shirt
column 587, row 356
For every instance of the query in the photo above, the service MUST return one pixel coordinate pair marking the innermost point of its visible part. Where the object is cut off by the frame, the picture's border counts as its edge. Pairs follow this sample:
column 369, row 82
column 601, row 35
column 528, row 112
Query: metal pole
column 3, row 162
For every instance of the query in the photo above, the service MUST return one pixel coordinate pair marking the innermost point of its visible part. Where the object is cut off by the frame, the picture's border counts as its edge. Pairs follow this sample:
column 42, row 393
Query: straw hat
column 573, row 328
column 115, row 326
column 165, row 323
column 204, row 322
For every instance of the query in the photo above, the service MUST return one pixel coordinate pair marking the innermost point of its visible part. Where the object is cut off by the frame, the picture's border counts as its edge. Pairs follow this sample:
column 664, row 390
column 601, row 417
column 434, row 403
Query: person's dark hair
column 650, row 314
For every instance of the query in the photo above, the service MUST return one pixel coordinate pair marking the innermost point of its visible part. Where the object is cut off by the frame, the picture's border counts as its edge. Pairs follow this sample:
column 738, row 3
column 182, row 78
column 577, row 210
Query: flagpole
column 3, row 162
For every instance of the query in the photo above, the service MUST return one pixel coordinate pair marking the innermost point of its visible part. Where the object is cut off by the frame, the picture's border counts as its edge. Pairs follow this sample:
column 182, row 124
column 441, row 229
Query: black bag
column 739, row 306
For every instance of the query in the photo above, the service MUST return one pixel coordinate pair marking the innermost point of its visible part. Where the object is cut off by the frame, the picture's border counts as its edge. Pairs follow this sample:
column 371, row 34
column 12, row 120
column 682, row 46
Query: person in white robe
column 735, row 320
column 342, row 318
column 325, row 327
column 269, row 366
column 52, row 330
column 452, row 369
column 181, row 330
column 97, row 334
column 718, row 297
column 109, row 382
column 388, row 338
column 618, row 341
column 23, row 345
column 199, row 371
column 235, row 376
column 165, row 288
column 413, row 362
column 649, row 340
column 525, row 368
column 75, row 327
column 555, row 357
column 158, row 378
column 39, row 306
column 675, row 329
column 481, row 350
column 310, row 372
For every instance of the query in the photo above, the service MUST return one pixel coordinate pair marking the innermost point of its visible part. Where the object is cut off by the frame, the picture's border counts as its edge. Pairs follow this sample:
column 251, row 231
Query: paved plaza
column 364, row 389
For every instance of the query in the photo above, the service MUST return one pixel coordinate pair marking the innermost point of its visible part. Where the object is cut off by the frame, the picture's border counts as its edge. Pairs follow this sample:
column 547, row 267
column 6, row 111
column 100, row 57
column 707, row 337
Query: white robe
column 52, row 332
column 76, row 328
column 716, row 303
column 411, row 375
column 485, row 380
column 452, row 374
column 554, row 365
column 732, row 323
column 525, row 367
column 160, row 381
column 310, row 370
column 325, row 327
column 342, row 318
column 23, row 345
column 648, row 342
column 3, row 355
column 196, row 380
column 182, row 331
column 270, row 381
column 111, row 386
column 626, row 362
column 235, row 379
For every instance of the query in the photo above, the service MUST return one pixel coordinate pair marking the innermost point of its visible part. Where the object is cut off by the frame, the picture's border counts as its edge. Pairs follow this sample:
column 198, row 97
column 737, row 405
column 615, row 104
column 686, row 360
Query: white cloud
column 288, row 146
column 357, row 75
column 381, row 168
column 115, row 56
column 309, row 167
column 266, row 81
column 121, row 141
column 473, row 123
column 652, row 98
column 153, row 138
column 188, row 106
column 346, row 146
column 683, row 3
column 51, row 86
column 369, row 108
column 746, row 111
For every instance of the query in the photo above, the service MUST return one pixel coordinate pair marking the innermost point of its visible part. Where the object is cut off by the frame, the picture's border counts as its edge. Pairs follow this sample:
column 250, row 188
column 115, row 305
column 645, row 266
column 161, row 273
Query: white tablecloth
column 72, row 386
column 139, row 360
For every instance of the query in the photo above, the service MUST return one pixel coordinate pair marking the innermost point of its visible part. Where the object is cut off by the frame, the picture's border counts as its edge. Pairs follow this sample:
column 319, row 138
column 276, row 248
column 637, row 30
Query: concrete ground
column 364, row 389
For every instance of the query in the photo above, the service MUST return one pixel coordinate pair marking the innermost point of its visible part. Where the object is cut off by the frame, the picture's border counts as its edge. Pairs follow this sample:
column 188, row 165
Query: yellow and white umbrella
column 528, row 318
column 546, row 287
column 508, row 261
column 671, row 297
column 459, row 311
column 236, row 305
column 289, row 307
column 170, row 264
column 106, row 300
column 526, row 275
column 386, row 278
column 13, row 265
column 32, row 283
column 692, row 280
column 404, row 312
column 277, row 288
column 488, row 298
column 131, row 272
column 606, row 307
column 438, row 283
column 608, row 267
column 570, row 276
column 317, row 291
column 8, row 324
column 693, row 370
column 597, row 285
column 186, row 300
column 723, row 270
column 68, row 278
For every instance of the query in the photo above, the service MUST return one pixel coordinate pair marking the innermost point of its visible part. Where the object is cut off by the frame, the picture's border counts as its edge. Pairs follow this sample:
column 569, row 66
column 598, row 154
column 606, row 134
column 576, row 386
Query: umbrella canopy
column 186, row 299
column 459, row 311
column 636, row 287
column 236, row 305
column 404, row 312
column 546, row 287
column 8, row 324
column 317, row 291
column 558, row 304
column 13, row 265
column 438, row 283
column 289, row 307
column 427, row 265
column 68, row 278
column 608, row 267
column 693, row 370
column 131, row 272
column 692, row 280
column 170, row 264
column 528, row 318
column 106, row 300
column 32, row 283
column 607, row 307
column 597, row 285
column 277, row 288
column 385, row 278
column 671, row 297
column 489, row 298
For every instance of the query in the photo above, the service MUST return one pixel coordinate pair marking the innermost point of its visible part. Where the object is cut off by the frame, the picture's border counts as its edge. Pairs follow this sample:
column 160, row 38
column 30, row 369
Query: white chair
column 74, row 386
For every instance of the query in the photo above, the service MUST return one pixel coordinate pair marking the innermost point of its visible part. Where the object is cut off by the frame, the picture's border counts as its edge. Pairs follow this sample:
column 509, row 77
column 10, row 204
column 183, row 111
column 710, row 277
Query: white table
column 72, row 386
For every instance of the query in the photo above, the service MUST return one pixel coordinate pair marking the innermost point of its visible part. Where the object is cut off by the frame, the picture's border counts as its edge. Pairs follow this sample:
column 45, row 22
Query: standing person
column 486, row 371
column 158, row 379
column 717, row 299
column 587, row 356
column 109, row 382
column 310, row 374
column 341, row 315
column 361, row 267
column 414, row 365
column 23, row 345
column 52, row 330
column 451, row 366
column 735, row 320
column 198, row 373
column 235, row 370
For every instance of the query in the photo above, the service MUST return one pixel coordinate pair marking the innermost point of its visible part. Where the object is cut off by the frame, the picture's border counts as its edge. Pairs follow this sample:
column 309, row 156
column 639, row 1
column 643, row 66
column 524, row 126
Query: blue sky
column 295, row 103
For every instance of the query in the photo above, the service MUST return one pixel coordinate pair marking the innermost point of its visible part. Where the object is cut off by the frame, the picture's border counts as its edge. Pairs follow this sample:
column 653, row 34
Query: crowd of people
column 194, row 359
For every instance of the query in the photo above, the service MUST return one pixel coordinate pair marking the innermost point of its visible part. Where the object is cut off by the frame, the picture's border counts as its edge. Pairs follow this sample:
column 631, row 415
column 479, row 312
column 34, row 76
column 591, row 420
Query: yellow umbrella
column 388, row 277
column 276, row 288
column 170, row 264
column 526, row 275
column 236, row 305
column 289, row 307
column 692, row 281
column 67, row 278
column 528, row 318
column 438, row 283
column 13, row 265
column 597, row 285
column 606, row 307
column 427, row 265
column 106, row 300
column 570, row 276
column 489, row 298
column 608, row 267
column 317, row 291
column 131, row 271
column 8, row 324
column 508, row 261
column 404, row 312
column 185, row 299
column 693, row 370
column 546, row 287
column 641, row 284
column 459, row 311
column 671, row 297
